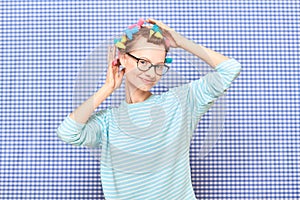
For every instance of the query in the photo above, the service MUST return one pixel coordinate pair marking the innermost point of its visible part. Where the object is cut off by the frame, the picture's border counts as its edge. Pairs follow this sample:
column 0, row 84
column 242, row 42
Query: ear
column 123, row 59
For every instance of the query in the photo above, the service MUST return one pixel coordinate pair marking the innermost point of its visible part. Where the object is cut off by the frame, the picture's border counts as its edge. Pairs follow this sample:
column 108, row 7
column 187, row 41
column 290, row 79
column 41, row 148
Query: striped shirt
column 145, row 145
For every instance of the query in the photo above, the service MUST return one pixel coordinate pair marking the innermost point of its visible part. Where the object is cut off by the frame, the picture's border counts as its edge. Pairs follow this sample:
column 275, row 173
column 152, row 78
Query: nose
column 151, row 73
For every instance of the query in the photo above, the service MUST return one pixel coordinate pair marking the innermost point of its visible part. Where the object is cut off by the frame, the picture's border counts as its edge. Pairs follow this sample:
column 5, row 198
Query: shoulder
column 102, row 114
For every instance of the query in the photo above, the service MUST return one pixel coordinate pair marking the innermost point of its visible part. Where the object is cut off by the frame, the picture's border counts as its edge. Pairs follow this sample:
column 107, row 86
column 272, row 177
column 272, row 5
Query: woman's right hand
column 114, row 75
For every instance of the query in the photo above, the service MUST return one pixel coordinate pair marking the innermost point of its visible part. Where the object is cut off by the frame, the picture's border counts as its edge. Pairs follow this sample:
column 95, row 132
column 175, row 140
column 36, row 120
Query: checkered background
column 43, row 44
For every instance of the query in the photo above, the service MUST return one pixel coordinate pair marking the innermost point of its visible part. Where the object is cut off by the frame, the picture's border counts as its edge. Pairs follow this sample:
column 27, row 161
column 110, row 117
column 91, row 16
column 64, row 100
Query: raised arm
column 211, row 57
column 203, row 92
column 84, row 111
column 213, row 85
column 113, row 81
column 176, row 40
column 79, row 128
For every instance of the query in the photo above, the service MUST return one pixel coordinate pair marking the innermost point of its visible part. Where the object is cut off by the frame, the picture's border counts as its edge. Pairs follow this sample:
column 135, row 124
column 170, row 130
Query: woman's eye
column 143, row 62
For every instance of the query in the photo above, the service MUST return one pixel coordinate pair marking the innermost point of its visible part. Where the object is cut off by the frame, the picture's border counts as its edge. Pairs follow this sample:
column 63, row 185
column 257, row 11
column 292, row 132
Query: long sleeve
column 88, row 134
column 205, row 91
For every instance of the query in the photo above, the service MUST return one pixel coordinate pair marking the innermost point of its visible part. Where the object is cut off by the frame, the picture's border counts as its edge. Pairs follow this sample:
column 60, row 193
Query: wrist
column 185, row 44
column 107, row 88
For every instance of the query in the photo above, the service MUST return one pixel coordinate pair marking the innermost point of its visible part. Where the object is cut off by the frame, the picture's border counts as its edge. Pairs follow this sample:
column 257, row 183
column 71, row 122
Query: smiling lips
column 146, row 81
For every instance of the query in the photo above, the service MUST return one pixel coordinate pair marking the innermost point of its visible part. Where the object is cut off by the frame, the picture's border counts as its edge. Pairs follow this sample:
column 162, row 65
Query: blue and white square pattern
column 43, row 44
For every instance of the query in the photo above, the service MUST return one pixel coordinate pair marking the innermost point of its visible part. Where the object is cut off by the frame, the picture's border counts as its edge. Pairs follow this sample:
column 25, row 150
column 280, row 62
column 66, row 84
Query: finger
column 151, row 21
column 119, row 78
column 163, row 26
column 113, row 52
column 110, row 70
column 109, row 54
column 158, row 23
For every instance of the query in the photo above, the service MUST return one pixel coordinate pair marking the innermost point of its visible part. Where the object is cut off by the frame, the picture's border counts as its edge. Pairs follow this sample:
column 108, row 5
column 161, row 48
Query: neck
column 135, row 95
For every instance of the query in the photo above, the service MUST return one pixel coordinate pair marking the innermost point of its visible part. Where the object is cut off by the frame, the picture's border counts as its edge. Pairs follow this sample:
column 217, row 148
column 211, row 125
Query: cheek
column 130, row 67
column 132, row 75
column 131, row 71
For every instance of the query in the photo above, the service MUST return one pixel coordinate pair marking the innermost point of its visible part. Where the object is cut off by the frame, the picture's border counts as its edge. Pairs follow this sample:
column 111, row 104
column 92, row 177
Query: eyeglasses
column 144, row 65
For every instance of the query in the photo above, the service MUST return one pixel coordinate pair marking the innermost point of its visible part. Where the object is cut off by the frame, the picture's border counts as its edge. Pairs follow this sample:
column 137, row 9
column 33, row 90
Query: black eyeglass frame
column 151, row 65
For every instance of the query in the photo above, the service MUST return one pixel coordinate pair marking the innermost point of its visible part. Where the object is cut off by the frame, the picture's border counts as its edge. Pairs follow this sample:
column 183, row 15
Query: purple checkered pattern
column 43, row 44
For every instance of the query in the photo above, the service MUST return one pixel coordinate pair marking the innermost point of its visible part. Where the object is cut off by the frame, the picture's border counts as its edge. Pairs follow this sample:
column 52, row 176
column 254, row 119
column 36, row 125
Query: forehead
column 154, row 56
column 155, row 53
column 142, row 42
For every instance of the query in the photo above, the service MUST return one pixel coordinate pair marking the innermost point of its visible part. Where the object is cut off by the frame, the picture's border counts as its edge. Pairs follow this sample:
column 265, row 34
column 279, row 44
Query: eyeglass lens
column 145, row 65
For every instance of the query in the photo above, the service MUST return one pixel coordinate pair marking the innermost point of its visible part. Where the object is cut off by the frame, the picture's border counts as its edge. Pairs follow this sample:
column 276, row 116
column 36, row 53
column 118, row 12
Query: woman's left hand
column 176, row 40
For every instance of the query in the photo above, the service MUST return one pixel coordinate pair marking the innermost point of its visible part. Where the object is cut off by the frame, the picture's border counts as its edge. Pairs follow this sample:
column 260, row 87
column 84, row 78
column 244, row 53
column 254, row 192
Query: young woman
column 145, row 141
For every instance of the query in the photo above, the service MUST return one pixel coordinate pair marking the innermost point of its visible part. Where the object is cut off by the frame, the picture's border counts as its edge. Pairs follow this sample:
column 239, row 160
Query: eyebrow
column 142, row 58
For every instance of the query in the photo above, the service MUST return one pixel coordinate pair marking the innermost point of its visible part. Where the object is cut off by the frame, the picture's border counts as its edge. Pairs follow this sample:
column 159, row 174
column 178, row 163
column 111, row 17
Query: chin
column 145, row 88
